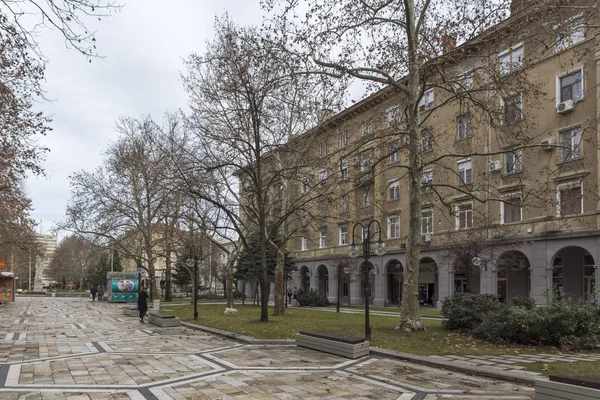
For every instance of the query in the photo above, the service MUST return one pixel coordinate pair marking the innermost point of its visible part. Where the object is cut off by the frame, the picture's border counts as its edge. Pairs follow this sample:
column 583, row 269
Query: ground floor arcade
column 537, row 269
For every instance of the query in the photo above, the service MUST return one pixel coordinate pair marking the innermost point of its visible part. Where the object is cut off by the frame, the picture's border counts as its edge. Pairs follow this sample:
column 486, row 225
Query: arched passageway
column 304, row 279
column 428, row 282
column 514, row 277
column 573, row 274
column 467, row 277
column 394, row 277
column 323, row 276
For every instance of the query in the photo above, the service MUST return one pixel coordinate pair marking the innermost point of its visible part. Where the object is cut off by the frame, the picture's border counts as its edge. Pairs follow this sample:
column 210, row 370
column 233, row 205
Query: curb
column 455, row 366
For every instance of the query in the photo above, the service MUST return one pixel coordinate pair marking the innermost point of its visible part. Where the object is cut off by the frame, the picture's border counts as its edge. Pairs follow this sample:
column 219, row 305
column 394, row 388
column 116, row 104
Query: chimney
column 448, row 43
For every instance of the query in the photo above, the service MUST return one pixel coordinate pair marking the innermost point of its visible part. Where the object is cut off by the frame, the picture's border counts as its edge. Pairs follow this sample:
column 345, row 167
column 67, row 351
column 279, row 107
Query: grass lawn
column 425, row 312
column 433, row 341
column 578, row 368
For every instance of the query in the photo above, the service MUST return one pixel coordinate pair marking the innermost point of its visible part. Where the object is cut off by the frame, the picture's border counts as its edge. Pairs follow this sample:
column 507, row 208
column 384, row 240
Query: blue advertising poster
column 123, row 287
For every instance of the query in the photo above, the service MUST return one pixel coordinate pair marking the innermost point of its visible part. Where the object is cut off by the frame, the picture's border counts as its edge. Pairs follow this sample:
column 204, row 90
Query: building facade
column 48, row 244
column 510, row 175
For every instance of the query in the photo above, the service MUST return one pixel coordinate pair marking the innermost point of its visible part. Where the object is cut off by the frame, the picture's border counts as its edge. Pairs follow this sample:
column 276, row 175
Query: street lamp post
column 342, row 267
column 192, row 263
column 474, row 261
column 367, row 265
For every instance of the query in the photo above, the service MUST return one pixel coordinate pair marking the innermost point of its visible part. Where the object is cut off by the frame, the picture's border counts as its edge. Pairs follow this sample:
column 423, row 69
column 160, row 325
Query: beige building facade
column 511, row 176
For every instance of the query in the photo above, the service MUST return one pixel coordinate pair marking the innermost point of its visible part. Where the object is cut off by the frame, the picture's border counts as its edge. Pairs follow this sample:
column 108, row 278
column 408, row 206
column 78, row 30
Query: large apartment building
column 511, row 174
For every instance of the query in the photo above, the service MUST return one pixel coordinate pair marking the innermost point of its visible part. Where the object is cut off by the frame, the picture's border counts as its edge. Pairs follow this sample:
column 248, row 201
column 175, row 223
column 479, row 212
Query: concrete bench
column 568, row 388
column 163, row 320
column 341, row 345
column 131, row 311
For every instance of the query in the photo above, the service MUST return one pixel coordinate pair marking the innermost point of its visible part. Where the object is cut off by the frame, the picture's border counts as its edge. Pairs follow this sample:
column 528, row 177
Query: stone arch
column 361, row 280
column 467, row 278
column 323, row 281
column 428, row 281
column 513, row 275
column 573, row 274
column 394, row 278
column 304, row 279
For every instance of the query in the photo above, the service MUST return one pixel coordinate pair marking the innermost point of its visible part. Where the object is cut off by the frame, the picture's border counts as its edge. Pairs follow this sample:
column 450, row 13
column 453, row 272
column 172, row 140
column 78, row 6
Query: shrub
column 525, row 302
column 465, row 311
column 568, row 324
column 312, row 299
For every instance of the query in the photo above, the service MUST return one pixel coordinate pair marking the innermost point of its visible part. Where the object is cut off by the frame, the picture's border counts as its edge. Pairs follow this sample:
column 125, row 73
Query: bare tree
column 123, row 202
column 247, row 100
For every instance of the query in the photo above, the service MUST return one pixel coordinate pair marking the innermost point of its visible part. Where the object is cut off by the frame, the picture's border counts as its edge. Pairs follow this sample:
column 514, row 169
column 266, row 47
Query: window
column 393, row 116
column 366, row 197
column 366, row 161
column 343, row 235
column 426, row 101
column 426, row 180
column 571, row 86
column 323, row 149
column 570, row 199
column 571, row 144
column 512, row 110
column 427, row 139
column 393, row 227
column 323, row 209
column 511, row 209
column 394, row 155
column 426, row 222
column 511, row 59
column 322, row 239
column 343, row 170
column 304, row 243
column 464, row 81
column 343, row 139
column 512, row 161
column 464, row 215
column 304, row 184
column 322, row 177
column 571, row 33
column 464, row 126
column 367, row 128
column 344, row 204
column 394, row 189
column 465, row 173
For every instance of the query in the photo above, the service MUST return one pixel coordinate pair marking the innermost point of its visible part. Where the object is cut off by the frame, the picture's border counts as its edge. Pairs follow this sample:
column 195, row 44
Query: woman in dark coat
column 142, row 303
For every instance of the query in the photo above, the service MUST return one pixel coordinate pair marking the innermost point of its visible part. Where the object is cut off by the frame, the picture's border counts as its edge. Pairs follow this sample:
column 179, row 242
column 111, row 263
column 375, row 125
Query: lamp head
column 477, row 261
column 353, row 250
column 189, row 262
column 380, row 248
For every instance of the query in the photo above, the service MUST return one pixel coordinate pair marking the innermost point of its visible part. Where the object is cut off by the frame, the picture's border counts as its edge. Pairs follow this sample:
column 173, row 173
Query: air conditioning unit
column 565, row 106
column 494, row 166
column 547, row 144
column 426, row 238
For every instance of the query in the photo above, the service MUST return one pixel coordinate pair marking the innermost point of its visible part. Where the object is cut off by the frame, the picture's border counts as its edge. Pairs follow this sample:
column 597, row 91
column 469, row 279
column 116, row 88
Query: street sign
column 2, row 264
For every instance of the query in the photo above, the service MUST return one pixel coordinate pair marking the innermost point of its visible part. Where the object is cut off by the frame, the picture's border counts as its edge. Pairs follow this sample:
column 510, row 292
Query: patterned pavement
column 65, row 348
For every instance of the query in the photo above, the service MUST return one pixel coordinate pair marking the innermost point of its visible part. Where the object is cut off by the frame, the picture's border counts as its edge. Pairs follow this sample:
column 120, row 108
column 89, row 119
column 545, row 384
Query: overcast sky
column 143, row 45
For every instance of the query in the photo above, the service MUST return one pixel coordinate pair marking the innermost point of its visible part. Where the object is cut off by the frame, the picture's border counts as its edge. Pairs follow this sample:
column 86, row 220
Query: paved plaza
column 62, row 348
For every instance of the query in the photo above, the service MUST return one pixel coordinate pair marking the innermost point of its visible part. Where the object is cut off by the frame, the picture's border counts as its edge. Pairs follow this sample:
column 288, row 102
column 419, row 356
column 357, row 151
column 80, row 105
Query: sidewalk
column 60, row 348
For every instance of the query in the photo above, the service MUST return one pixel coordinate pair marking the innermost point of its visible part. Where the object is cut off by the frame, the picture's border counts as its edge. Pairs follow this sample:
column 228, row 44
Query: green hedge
column 568, row 324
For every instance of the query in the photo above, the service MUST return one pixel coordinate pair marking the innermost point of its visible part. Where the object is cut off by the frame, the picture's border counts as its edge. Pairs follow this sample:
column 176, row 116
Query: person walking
column 100, row 294
column 142, row 303
column 289, row 295
column 93, row 291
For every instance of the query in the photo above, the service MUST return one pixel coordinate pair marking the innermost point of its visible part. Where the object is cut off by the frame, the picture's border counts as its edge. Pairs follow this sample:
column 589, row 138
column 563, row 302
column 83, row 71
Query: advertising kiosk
column 122, row 287
column 7, row 287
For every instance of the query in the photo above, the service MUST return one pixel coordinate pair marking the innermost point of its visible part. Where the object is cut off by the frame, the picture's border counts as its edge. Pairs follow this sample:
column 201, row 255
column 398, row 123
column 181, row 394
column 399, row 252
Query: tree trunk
column 168, row 265
column 410, row 320
column 243, row 292
column 229, row 279
column 279, row 296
